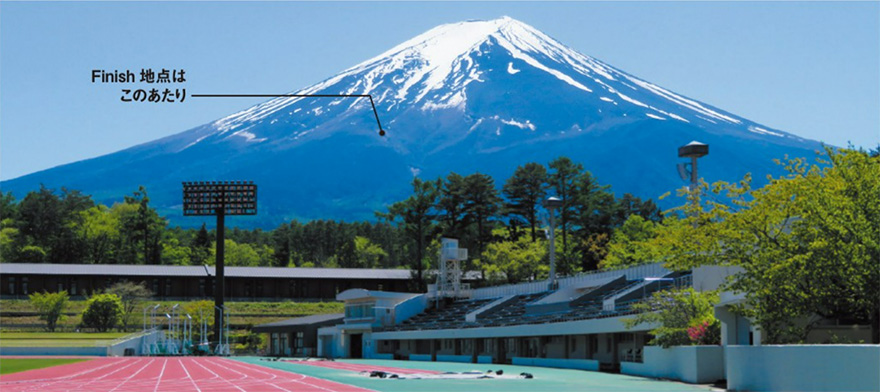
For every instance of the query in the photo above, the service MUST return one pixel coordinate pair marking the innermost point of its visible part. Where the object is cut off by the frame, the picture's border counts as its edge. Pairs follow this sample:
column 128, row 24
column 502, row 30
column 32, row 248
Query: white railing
column 632, row 273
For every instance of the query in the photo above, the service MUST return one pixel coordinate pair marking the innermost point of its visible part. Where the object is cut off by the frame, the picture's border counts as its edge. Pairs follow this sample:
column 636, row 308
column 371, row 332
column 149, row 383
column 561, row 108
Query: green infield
column 545, row 379
column 57, row 339
column 15, row 365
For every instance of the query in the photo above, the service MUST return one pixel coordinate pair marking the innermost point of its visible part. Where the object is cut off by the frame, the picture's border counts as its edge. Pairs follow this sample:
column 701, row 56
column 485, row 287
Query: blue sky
column 809, row 68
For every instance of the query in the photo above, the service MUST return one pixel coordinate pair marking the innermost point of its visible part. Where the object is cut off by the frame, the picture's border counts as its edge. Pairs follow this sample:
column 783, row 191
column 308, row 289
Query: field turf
column 15, row 365
column 57, row 339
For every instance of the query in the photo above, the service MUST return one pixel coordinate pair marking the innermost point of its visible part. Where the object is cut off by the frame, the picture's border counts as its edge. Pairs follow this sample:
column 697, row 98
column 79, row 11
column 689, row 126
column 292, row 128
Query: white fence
column 637, row 272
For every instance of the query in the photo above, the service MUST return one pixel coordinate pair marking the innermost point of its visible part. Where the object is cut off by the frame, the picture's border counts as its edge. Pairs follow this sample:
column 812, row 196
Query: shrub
column 50, row 306
column 103, row 312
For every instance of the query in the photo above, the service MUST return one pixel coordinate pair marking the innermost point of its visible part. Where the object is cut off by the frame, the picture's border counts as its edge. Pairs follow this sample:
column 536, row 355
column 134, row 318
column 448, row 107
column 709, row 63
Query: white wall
column 693, row 364
column 803, row 368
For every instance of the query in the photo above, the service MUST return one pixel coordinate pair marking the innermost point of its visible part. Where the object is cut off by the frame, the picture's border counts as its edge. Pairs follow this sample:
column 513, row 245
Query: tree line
column 67, row 226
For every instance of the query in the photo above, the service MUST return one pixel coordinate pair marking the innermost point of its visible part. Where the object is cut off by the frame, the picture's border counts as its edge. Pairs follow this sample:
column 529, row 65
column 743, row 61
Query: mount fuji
column 483, row 96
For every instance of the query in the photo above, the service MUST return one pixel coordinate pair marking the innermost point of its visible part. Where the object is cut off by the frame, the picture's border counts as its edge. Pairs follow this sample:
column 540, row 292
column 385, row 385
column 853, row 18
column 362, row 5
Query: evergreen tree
column 417, row 217
column 451, row 203
column 525, row 191
column 562, row 181
column 482, row 204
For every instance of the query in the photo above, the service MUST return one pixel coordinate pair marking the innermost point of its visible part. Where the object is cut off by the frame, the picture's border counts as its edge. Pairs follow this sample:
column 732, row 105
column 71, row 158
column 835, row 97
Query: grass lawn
column 57, row 339
column 15, row 365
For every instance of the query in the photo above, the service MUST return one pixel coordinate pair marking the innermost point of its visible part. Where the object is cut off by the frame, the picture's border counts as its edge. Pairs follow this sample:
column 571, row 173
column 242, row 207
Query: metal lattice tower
column 449, row 278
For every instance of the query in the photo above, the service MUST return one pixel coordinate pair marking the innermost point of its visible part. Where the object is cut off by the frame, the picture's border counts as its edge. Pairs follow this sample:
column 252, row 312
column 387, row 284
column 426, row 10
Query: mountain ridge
column 468, row 96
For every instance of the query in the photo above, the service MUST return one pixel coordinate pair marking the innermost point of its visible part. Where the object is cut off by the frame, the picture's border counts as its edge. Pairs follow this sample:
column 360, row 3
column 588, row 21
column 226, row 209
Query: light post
column 692, row 150
column 551, row 204
column 220, row 199
column 153, row 316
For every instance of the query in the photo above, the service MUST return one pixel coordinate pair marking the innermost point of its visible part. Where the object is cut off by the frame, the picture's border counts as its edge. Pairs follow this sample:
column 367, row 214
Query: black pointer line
column 375, row 113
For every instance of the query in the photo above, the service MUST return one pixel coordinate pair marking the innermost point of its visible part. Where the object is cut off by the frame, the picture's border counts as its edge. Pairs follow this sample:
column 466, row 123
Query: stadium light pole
column 219, row 198
column 692, row 150
column 551, row 204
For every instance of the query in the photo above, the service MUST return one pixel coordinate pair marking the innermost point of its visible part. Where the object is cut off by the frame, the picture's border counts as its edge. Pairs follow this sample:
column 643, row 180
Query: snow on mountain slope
column 470, row 96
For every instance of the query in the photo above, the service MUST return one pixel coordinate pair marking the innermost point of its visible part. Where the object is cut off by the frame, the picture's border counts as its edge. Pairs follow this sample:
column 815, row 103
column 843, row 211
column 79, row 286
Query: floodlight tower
column 551, row 204
column 219, row 198
column 449, row 279
column 692, row 150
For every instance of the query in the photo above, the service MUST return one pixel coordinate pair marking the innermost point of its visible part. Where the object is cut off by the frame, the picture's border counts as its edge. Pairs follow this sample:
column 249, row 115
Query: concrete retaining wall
column 420, row 357
column 453, row 358
column 803, row 368
column 582, row 364
column 484, row 359
column 693, row 364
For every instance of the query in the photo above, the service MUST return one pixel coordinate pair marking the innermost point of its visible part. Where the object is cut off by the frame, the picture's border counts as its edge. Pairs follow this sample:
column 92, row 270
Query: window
column 24, row 286
column 298, row 342
column 156, row 286
column 12, row 286
column 73, row 288
column 201, row 287
column 608, row 344
column 60, row 287
column 380, row 286
column 574, row 344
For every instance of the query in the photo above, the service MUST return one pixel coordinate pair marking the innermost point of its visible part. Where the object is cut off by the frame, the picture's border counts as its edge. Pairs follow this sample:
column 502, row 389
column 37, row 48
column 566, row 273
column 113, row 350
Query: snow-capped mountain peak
column 483, row 96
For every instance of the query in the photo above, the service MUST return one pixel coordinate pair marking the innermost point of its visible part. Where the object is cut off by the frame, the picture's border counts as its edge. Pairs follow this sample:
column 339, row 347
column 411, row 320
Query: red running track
column 177, row 374
column 363, row 368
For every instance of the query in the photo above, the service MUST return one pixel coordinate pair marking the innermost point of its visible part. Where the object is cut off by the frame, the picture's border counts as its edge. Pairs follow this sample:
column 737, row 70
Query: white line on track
column 253, row 378
column 217, row 376
column 256, row 368
column 45, row 382
column 159, row 379
column 127, row 379
column 188, row 376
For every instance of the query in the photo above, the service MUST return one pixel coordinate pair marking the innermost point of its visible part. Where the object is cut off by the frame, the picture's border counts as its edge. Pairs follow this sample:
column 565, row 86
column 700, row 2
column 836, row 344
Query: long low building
column 17, row 280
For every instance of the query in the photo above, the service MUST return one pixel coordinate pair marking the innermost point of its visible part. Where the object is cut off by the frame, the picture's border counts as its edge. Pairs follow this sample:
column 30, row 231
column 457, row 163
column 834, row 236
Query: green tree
column 9, row 243
column 8, row 206
column 132, row 295
column 50, row 306
column 416, row 217
column 102, row 312
column 144, row 228
column 515, row 261
column 240, row 255
column 675, row 311
column 99, row 230
column 633, row 244
column 367, row 253
column 562, row 181
column 481, row 205
column 200, row 248
column 174, row 254
column 807, row 242
column 200, row 311
column 525, row 191
column 594, row 208
column 32, row 254
column 451, row 205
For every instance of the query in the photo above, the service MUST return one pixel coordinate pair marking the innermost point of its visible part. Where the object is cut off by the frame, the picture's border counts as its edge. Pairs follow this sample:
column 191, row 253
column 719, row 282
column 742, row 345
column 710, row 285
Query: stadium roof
column 332, row 318
column 202, row 271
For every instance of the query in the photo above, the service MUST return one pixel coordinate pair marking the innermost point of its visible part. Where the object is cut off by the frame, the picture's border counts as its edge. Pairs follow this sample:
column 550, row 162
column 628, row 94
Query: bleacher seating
column 513, row 311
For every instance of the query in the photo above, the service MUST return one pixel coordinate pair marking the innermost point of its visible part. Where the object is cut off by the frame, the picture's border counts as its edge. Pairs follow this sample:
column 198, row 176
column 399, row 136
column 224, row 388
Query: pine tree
column 525, row 190
column 562, row 182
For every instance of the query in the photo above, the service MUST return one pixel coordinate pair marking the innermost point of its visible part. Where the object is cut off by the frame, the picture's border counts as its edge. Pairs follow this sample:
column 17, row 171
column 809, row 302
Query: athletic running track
column 178, row 374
